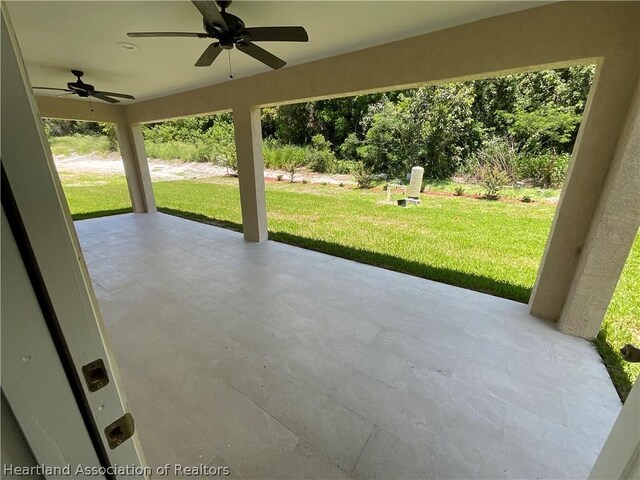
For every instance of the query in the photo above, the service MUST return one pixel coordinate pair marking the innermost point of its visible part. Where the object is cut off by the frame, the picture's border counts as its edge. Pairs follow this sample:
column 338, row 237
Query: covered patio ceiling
column 56, row 37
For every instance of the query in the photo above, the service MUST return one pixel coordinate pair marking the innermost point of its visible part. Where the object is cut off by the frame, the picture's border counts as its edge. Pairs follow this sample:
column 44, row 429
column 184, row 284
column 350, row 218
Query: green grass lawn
column 488, row 246
column 493, row 247
column 622, row 324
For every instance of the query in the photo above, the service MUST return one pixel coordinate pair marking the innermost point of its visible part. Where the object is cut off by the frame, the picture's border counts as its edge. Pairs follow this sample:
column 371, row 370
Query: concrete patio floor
column 285, row 363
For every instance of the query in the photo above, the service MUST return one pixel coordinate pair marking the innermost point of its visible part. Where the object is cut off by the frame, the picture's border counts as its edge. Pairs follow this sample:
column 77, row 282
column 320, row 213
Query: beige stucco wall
column 613, row 230
column 51, row 107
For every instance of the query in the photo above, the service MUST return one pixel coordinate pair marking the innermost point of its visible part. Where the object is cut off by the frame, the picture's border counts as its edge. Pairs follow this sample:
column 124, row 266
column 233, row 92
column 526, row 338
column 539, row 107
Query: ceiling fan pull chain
column 90, row 104
column 229, row 55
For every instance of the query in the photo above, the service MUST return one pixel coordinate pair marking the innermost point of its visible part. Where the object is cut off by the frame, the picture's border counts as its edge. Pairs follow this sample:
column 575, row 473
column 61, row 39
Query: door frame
column 48, row 228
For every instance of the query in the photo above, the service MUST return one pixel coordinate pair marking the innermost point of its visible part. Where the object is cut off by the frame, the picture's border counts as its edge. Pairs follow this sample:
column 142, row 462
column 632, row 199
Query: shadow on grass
column 100, row 213
column 466, row 280
column 614, row 362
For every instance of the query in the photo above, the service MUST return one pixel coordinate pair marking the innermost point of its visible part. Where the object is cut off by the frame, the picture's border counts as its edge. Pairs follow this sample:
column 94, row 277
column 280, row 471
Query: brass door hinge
column 120, row 430
column 95, row 374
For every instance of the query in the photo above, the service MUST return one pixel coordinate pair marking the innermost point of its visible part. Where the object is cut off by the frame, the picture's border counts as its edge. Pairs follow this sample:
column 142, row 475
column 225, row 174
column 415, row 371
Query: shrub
column 346, row 167
column 281, row 157
column 364, row 176
column 280, row 177
column 220, row 141
column 349, row 148
column 305, row 181
column 177, row 150
column 109, row 130
column 526, row 199
column 492, row 178
column 496, row 153
column 547, row 127
column 194, row 139
column 547, row 170
column 269, row 153
column 291, row 159
column 320, row 158
column 459, row 191
column 231, row 162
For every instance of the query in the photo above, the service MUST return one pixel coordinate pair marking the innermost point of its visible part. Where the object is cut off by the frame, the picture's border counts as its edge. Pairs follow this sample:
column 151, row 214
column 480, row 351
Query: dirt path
column 168, row 170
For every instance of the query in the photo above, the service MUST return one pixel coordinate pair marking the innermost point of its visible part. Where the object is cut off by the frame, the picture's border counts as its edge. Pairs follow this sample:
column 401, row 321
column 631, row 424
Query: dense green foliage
column 444, row 128
column 441, row 127
column 193, row 139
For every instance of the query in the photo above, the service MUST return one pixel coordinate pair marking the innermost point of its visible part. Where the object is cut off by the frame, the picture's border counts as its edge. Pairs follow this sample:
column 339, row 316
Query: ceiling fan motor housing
column 81, row 88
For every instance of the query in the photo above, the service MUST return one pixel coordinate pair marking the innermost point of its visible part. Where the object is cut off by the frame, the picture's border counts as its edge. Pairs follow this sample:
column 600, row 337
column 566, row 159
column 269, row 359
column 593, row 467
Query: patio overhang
column 582, row 262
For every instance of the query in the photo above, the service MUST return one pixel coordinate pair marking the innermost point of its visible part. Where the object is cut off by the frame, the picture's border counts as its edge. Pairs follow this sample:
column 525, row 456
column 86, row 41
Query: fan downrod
column 223, row 4
column 77, row 73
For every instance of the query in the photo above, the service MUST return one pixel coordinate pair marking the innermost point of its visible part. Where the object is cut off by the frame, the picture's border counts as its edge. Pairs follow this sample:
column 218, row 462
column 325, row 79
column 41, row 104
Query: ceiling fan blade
column 210, row 13
column 167, row 34
column 113, row 94
column 64, row 94
column 261, row 54
column 277, row 34
column 51, row 88
column 104, row 97
column 209, row 55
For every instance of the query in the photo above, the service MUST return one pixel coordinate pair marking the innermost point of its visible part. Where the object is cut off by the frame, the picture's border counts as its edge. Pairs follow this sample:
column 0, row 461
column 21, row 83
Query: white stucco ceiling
column 57, row 36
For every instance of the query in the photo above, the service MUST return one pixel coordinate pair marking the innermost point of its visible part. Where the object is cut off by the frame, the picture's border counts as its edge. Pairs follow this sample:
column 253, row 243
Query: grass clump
column 80, row 145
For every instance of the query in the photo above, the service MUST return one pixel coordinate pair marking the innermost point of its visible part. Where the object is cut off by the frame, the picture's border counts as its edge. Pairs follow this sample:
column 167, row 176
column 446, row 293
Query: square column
column 248, row 136
column 591, row 167
column 611, row 235
column 136, row 167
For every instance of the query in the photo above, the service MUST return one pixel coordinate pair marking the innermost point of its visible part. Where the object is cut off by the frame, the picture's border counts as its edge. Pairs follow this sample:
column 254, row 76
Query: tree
column 548, row 128
column 432, row 127
column 390, row 142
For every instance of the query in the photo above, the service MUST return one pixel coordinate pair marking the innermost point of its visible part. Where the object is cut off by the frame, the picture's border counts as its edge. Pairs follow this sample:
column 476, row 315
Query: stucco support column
column 136, row 167
column 592, row 160
column 248, row 136
column 611, row 236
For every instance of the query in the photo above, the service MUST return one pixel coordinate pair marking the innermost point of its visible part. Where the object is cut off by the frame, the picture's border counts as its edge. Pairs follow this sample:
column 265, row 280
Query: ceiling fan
column 85, row 90
column 230, row 31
